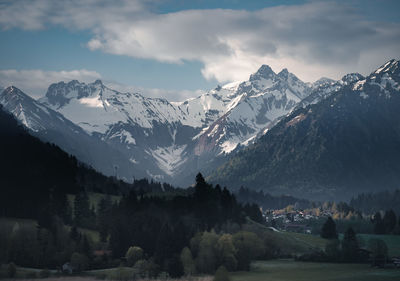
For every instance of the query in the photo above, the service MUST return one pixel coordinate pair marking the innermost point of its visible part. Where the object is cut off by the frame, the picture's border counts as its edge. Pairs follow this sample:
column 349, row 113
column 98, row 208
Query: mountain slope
column 53, row 127
column 258, row 102
column 173, row 141
column 346, row 143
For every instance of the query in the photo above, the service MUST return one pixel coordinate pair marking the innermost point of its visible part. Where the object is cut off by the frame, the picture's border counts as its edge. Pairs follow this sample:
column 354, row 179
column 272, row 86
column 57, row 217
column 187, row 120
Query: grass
column 290, row 243
column 289, row 270
column 313, row 241
column 392, row 241
column 127, row 273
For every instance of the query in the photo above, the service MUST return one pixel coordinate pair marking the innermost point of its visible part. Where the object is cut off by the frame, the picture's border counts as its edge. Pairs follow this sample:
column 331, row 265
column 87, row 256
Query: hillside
column 344, row 144
column 32, row 170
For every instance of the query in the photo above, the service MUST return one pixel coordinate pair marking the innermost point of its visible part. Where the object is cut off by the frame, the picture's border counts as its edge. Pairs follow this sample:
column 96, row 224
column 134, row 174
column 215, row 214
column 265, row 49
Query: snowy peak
column 256, row 104
column 12, row 91
column 322, row 81
column 284, row 73
column 28, row 111
column 351, row 78
column 96, row 108
column 386, row 77
column 391, row 67
column 59, row 94
column 265, row 71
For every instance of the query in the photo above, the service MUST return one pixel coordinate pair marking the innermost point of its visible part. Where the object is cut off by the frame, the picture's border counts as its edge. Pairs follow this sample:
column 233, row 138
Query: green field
column 289, row 270
column 392, row 241
column 313, row 241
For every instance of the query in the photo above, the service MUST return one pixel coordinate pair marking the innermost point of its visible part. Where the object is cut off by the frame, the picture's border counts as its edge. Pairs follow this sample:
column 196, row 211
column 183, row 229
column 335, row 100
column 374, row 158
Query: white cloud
column 170, row 95
column 35, row 82
column 312, row 40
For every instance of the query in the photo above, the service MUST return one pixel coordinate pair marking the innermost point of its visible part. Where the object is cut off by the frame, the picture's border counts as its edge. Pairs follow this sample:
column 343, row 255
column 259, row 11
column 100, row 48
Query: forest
column 151, row 227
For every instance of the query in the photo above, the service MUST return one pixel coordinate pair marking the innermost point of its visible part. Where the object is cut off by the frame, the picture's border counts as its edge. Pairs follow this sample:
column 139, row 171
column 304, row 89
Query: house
column 67, row 268
column 396, row 261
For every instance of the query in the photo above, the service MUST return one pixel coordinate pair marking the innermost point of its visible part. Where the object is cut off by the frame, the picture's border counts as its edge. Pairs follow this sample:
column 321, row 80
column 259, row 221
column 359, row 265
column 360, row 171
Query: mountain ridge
column 169, row 140
column 343, row 144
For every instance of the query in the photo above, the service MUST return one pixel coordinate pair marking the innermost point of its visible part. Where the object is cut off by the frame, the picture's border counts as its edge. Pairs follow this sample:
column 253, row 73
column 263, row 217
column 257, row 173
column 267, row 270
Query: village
column 294, row 220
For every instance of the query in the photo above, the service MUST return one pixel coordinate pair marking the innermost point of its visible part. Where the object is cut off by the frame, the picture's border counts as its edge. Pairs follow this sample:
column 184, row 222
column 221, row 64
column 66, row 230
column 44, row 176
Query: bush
column 11, row 270
column 133, row 255
column 79, row 262
column 222, row 274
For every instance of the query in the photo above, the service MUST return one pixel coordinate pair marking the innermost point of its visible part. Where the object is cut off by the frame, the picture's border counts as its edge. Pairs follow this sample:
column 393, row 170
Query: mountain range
column 272, row 132
column 344, row 144
column 130, row 135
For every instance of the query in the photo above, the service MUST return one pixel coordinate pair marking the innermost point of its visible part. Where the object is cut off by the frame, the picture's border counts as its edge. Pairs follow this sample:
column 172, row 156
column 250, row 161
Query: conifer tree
column 389, row 221
column 379, row 226
column 329, row 229
column 350, row 246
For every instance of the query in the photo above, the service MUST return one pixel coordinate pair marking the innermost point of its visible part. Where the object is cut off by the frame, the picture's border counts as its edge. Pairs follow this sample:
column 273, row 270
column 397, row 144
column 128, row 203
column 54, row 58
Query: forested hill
column 32, row 171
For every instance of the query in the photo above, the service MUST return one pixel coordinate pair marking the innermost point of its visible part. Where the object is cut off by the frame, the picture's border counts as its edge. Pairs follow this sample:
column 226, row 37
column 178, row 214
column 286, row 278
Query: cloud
column 312, row 40
column 36, row 82
column 170, row 95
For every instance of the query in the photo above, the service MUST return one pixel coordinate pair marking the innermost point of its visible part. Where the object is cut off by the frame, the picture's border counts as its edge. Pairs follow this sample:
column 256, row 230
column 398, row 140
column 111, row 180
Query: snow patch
column 92, row 102
column 133, row 160
column 169, row 158
column 124, row 136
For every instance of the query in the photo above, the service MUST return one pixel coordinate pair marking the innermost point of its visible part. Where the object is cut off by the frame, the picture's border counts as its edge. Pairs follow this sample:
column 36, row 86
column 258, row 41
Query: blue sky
column 175, row 48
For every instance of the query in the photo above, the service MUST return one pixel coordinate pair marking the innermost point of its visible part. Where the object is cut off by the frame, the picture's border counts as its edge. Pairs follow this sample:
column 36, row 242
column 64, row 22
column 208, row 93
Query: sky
column 176, row 49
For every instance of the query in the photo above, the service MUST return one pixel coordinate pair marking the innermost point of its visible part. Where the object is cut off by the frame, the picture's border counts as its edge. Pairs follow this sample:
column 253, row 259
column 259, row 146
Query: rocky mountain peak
column 352, row 77
column 265, row 71
column 390, row 67
column 284, row 73
column 11, row 91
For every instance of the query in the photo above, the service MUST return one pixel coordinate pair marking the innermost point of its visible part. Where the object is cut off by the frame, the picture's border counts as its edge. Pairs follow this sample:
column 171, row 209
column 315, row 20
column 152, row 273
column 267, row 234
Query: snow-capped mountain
column 53, row 127
column 346, row 143
column 324, row 87
column 256, row 104
column 171, row 141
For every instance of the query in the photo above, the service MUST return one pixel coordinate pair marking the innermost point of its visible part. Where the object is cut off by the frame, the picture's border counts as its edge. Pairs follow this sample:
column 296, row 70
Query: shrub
column 79, row 262
column 221, row 274
column 133, row 255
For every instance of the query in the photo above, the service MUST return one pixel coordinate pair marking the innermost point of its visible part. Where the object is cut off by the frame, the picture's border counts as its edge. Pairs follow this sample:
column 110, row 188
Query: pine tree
column 379, row 226
column 328, row 230
column 187, row 261
column 103, row 215
column 82, row 212
column 350, row 246
column 389, row 221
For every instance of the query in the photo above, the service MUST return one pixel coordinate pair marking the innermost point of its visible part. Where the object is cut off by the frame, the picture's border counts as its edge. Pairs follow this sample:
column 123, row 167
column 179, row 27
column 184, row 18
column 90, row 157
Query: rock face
column 334, row 144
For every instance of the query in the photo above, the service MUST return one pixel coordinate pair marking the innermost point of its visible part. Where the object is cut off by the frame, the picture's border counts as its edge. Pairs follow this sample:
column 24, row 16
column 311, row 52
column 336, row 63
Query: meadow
column 289, row 270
